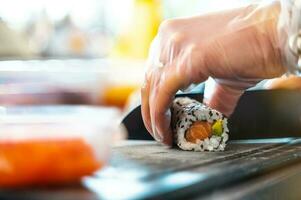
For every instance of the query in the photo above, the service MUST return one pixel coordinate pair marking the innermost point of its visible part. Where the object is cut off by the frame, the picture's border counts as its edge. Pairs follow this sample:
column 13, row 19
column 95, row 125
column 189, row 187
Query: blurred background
column 83, row 51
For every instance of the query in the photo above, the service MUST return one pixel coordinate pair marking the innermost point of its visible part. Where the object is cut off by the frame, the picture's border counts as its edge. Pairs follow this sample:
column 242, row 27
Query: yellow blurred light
column 134, row 42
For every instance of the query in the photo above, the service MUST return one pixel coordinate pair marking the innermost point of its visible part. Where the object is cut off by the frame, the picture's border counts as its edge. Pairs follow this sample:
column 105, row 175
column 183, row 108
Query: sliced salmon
column 198, row 131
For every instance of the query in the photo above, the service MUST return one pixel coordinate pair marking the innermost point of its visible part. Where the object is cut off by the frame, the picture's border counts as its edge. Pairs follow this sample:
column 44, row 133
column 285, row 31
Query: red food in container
column 54, row 145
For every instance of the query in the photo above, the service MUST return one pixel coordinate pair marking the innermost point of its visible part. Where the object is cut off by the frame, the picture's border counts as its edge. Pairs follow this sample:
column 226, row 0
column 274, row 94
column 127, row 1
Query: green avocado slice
column 217, row 128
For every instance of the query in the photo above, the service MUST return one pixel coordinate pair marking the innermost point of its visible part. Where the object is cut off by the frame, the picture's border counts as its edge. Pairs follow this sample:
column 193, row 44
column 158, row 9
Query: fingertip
column 162, row 121
column 168, row 138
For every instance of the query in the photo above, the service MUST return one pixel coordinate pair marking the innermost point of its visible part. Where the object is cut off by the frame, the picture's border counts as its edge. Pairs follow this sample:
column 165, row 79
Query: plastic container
column 55, row 144
column 70, row 81
column 44, row 82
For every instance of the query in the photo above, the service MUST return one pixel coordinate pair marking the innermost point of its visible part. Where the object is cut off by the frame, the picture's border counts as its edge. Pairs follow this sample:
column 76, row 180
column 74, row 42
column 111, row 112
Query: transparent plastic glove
column 289, row 28
column 237, row 48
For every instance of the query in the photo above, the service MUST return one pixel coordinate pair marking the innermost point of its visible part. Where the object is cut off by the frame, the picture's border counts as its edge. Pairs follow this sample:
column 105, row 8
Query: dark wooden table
column 248, row 169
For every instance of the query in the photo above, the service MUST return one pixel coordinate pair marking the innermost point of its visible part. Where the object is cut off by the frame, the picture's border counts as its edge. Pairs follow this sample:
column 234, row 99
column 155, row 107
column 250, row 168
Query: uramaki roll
column 197, row 127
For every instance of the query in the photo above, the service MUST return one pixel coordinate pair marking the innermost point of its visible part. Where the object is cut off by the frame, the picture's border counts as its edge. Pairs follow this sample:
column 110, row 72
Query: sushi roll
column 198, row 127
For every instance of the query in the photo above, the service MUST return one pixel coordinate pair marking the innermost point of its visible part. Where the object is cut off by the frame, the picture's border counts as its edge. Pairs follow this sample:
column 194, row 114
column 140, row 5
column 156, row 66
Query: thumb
column 221, row 97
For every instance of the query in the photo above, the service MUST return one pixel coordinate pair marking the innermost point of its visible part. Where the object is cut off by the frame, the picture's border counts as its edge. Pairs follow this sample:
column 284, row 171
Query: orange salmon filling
column 26, row 163
column 198, row 131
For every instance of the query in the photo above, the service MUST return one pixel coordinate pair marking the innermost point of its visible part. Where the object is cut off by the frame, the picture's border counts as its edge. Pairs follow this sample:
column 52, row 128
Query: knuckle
column 143, row 89
column 167, row 25
column 149, row 74
column 192, row 51
column 193, row 48
column 177, row 38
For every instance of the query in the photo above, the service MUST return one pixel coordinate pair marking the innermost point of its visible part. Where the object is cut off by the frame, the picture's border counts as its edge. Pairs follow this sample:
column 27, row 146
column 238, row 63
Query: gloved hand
column 237, row 48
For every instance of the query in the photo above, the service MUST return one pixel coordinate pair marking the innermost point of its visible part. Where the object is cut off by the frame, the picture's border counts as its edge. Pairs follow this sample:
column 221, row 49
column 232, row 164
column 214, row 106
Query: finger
column 170, row 82
column 145, row 106
column 222, row 97
column 146, row 94
column 156, row 76
column 160, row 118
column 152, row 61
